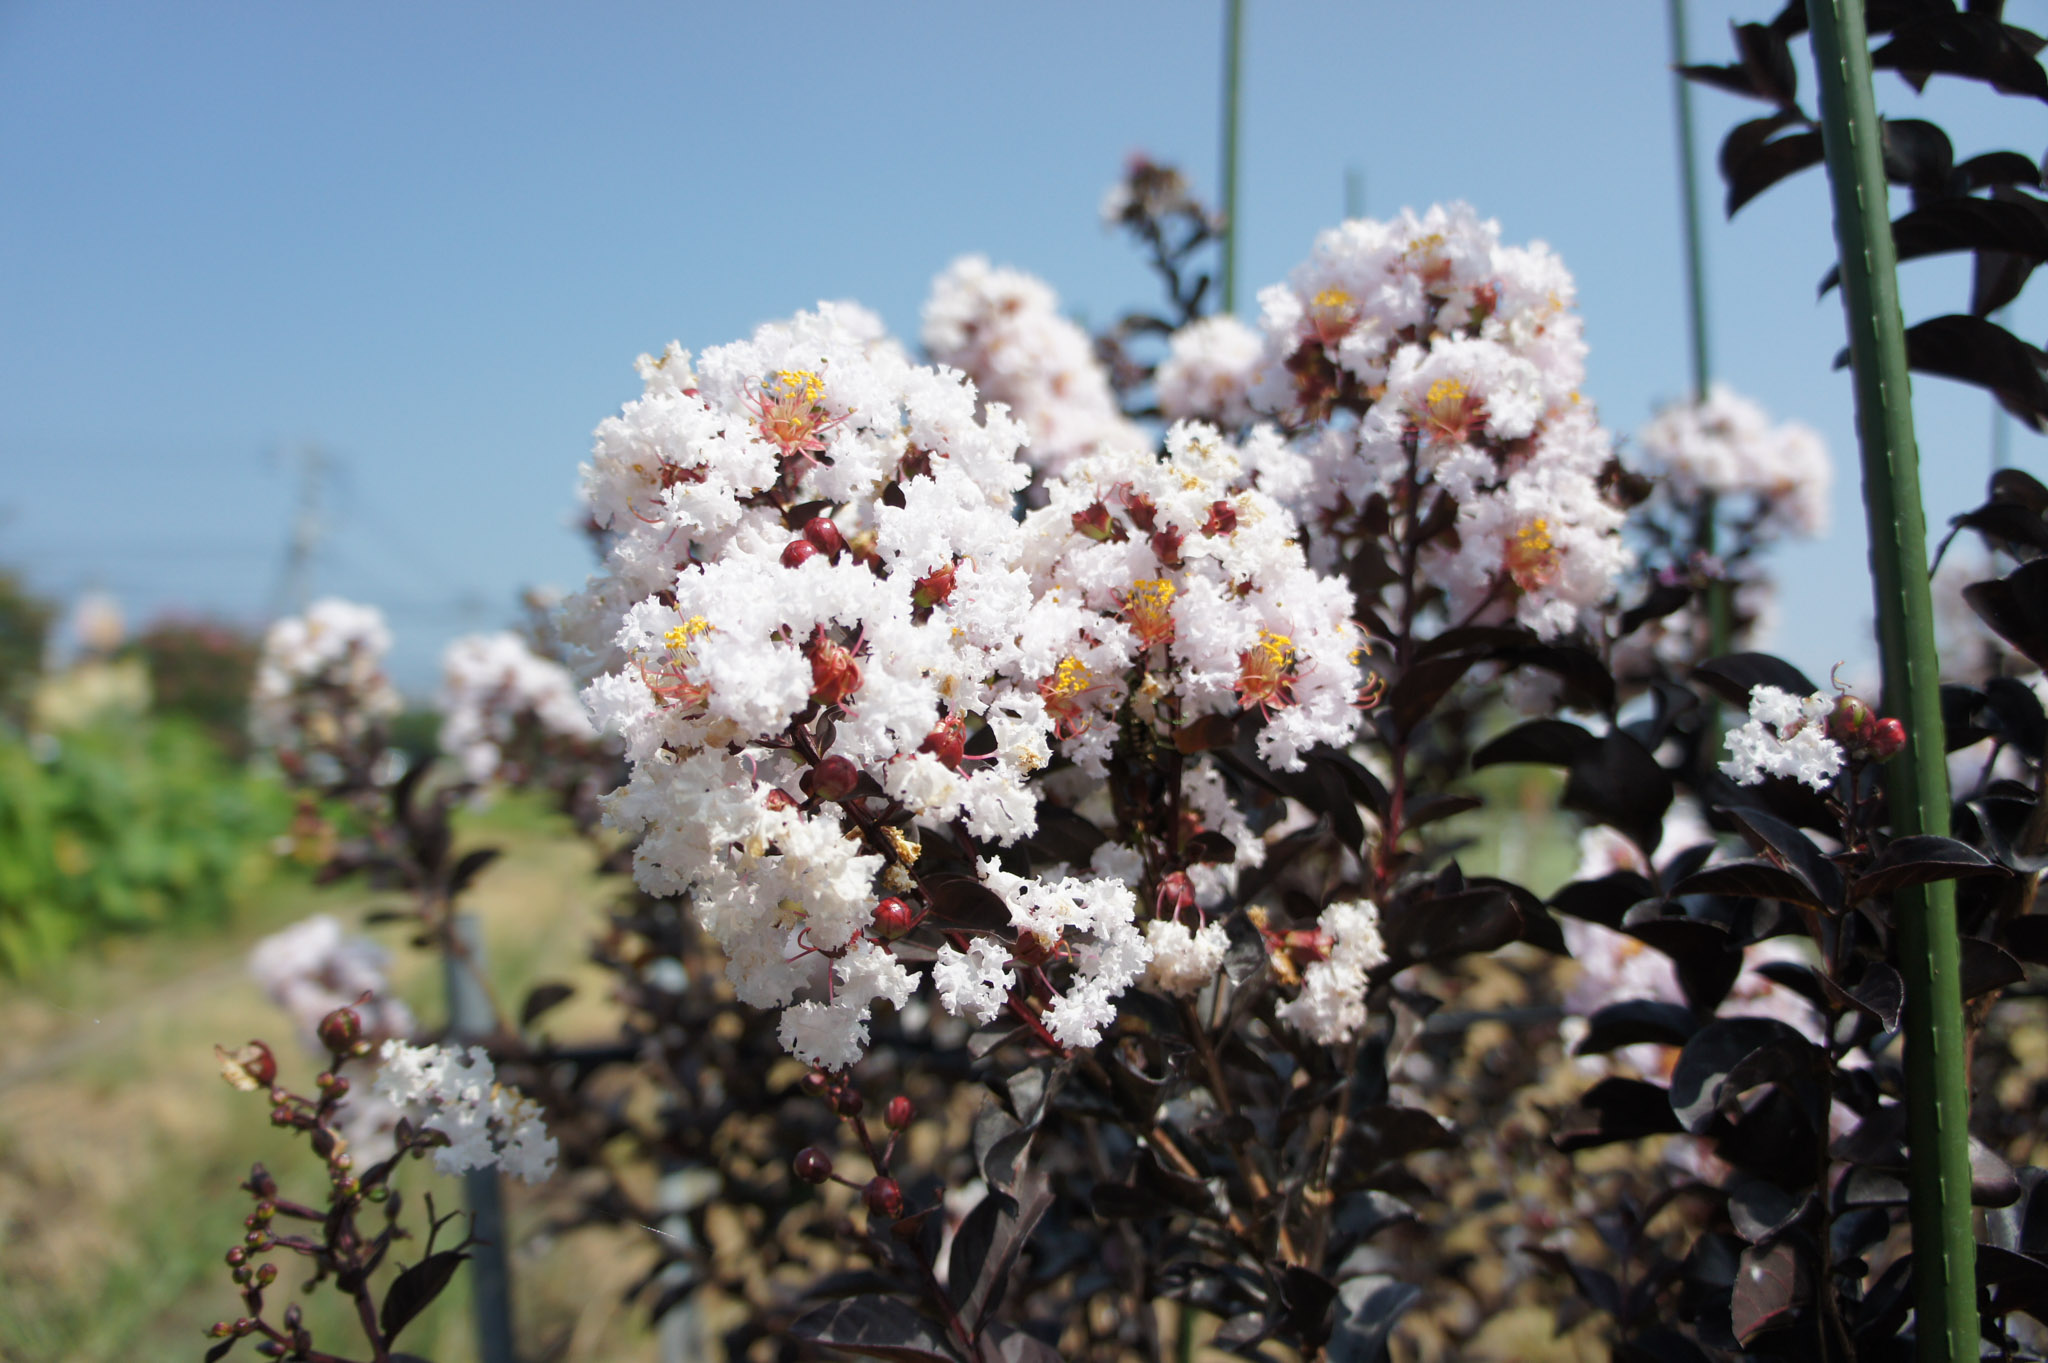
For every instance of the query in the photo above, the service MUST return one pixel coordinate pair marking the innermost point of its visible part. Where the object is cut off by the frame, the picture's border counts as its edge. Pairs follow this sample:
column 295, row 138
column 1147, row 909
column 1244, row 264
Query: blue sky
column 431, row 238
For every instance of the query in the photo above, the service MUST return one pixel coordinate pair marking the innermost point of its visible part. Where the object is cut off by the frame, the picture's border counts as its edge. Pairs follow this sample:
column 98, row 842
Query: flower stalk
column 1937, row 1093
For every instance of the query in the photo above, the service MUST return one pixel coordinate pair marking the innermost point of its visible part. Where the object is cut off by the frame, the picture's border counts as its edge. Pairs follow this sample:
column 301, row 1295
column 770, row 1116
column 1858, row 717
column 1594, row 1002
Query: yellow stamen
column 798, row 385
column 1071, row 677
column 1333, row 299
column 679, row 638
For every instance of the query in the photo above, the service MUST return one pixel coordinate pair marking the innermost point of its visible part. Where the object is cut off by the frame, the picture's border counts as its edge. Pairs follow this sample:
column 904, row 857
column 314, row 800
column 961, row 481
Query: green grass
column 120, row 1147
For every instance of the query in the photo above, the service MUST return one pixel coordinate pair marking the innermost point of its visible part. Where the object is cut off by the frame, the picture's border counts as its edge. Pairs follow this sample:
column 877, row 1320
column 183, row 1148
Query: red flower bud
column 1888, row 738
column 900, row 1113
column 816, row 1082
column 848, row 1102
column 820, row 531
column 1176, row 896
column 812, row 1165
column 935, row 588
column 797, row 553
column 1222, row 519
column 1097, row 524
column 893, row 918
column 947, row 741
column 835, row 778
column 1166, row 546
column 1031, row 950
column 341, row 1029
column 835, row 672
column 1850, row 723
column 1144, row 513
column 883, row 1197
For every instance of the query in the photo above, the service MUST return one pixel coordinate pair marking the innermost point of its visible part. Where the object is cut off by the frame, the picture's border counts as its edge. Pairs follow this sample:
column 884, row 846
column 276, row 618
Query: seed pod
column 797, row 553
column 900, row 1113
column 893, row 918
column 821, row 532
column 883, row 1197
column 812, row 1165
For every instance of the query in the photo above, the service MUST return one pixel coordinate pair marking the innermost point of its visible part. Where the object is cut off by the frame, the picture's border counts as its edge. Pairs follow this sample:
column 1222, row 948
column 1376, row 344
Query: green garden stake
column 1233, row 66
column 1937, row 1082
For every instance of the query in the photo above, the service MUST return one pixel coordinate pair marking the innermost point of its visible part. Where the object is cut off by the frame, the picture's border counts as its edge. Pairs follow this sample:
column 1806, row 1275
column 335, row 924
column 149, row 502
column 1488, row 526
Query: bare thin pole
column 1233, row 63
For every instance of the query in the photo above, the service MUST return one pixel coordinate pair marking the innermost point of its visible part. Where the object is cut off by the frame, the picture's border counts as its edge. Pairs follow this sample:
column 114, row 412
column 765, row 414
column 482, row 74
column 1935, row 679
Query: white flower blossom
column 1330, row 1008
column 320, row 681
column 312, row 968
column 1726, row 446
column 1786, row 736
column 455, row 1090
column 493, row 687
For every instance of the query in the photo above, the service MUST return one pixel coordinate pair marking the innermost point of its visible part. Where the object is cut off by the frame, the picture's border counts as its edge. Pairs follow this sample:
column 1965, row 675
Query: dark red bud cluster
column 935, row 588
column 1097, row 524
column 1222, row 519
column 883, row 1197
column 340, row 1030
column 835, row 778
column 812, row 1165
column 893, row 918
column 1862, row 734
column 947, row 741
column 820, row 536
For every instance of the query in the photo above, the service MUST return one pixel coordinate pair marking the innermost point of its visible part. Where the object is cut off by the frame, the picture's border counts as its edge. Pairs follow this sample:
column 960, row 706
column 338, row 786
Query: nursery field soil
column 121, row 1148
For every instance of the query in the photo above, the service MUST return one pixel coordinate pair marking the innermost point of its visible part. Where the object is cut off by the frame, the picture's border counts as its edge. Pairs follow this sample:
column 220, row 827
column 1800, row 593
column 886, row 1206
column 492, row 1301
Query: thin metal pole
column 470, row 1018
column 1937, row 1080
column 1233, row 63
column 1720, row 624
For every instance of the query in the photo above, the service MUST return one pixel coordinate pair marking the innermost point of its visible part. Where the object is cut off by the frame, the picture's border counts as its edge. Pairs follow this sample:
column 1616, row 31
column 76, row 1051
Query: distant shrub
column 120, row 827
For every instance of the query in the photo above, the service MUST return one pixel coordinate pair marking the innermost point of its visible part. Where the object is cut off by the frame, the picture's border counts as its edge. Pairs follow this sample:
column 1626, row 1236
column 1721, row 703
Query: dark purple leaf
column 966, row 902
column 2016, row 608
column 1634, row 1022
column 1750, row 880
column 1999, row 168
column 1976, row 351
column 1306, row 1298
column 1623, row 1110
column 1716, row 1054
column 1733, row 676
column 1881, row 993
column 1987, row 967
column 1974, row 46
column 220, row 1350
column 412, row 1291
column 1761, row 1210
column 541, row 998
column 876, row 1327
column 1381, row 1133
column 1604, row 901
column 1367, row 1308
column 2018, row 228
column 467, row 869
column 1448, row 926
column 1792, row 849
column 1921, row 859
column 1770, row 163
column 1771, row 1287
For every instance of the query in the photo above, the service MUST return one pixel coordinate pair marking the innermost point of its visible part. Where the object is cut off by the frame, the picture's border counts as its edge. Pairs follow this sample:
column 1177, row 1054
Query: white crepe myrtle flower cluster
column 1210, row 370
column 1175, row 586
column 1727, row 447
column 1421, row 353
column 829, row 636
column 320, row 682
column 1331, row 1005
column 1003, row 329
column 1786, row 735
column 455, row 1090
column 494, row 689
column 314, row 967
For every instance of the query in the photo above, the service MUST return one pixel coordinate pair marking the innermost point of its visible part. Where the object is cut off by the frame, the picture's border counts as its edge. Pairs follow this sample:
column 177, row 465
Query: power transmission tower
column 294, row 582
